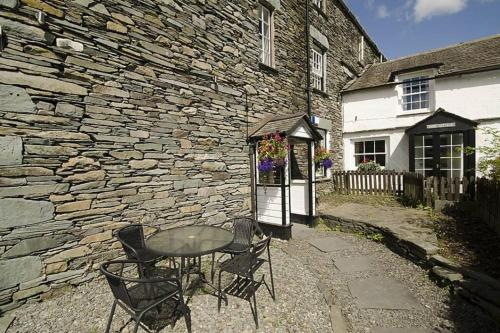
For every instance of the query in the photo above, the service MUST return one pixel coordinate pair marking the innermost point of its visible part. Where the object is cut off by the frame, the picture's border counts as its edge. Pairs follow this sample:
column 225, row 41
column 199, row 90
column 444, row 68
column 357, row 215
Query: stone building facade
column 118, row 112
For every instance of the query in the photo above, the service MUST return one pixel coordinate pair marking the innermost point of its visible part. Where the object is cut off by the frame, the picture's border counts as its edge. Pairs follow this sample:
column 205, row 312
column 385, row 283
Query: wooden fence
column 368, row 183
column 411, row 185
column 488, row 202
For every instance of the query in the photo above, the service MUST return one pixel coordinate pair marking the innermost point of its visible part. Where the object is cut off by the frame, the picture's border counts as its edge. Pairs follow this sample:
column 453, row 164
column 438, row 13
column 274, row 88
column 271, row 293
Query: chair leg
column 219, row 294
column 271, row 273
column 255, row 314
column 212, row 269
column 110, row 320
column 187, row 318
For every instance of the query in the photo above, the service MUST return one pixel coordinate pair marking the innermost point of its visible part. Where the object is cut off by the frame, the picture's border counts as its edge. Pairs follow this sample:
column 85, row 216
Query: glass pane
column 369, row 146
column 445, row 163
column 445, row 152
column 419, row 140
column 428, row 173
column 380, row 159
column 428, row 140
column 425, row 104
column 456, row 174
column 457, row 163
column 419, row 152
column 380, row 146
column 358, row 159
column 445, row 139
column 457, row 139
column 369, row 158
column 419, row 164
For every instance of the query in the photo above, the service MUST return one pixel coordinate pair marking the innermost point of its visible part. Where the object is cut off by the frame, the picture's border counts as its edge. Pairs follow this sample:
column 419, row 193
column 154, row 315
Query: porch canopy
column 274, row 204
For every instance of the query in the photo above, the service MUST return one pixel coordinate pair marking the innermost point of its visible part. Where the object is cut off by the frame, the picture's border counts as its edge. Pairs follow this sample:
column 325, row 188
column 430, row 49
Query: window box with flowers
column 272, row 155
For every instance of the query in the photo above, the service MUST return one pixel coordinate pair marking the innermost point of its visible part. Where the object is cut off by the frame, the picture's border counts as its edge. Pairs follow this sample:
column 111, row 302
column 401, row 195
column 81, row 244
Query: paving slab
column 5, row 322
column 303, row 232
column 355, row 264
column 382, row 293
column 400, row 330
column 330, row 244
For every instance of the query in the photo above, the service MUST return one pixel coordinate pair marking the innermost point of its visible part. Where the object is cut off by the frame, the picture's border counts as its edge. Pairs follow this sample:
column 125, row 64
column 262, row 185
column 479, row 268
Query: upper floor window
column 266, row 35
column 320, row 4
column 416, row 93
column 361, row 49
column 318, row 69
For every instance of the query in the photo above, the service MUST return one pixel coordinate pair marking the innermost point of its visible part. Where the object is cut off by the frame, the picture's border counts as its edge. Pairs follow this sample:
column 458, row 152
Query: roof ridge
column 440, row 49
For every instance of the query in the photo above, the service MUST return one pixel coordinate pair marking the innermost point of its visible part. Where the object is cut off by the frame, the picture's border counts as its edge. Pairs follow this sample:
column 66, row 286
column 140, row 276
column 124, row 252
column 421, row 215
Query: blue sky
column 403, row 27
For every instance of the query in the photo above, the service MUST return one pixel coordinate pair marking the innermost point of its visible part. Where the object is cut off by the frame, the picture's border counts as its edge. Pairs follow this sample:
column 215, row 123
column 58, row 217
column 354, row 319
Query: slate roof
column 470, row 56
column 283, row 124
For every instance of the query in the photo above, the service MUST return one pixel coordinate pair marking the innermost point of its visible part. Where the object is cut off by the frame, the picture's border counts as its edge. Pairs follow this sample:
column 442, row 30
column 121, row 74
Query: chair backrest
column 116, row 282
column 259, row 247
column 131, row 236
column 243, row 228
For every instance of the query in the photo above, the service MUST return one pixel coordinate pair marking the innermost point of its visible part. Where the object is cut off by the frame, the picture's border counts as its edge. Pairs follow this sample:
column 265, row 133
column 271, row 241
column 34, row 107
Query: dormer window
column 416, row 93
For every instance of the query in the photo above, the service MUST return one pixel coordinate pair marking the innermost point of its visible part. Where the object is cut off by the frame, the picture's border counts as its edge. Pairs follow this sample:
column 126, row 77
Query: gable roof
column 443, row 114
column 473, row 56
column 283, row 124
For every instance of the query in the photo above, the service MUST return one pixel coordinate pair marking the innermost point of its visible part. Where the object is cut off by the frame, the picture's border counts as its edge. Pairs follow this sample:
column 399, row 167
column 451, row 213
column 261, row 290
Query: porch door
column 439, row 154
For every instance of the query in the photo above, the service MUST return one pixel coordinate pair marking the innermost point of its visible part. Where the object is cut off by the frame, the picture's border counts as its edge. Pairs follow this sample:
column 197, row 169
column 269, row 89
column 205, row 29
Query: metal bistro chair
column 244, row 229
column 244, row 266
column 140, row 297
column 133, row 242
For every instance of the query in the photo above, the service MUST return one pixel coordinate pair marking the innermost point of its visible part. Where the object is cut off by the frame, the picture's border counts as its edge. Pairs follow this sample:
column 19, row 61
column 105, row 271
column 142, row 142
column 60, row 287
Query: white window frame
column 424, row 96
column 427, row 161
column 318, row 68
column 266, row 37
column 323, row 173
column 400, row 89
column 361, row 49
column 319, row 3
column 364, row 141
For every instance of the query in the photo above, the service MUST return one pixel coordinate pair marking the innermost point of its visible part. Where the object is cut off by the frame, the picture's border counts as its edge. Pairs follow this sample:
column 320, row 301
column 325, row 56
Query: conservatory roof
column 284, row 124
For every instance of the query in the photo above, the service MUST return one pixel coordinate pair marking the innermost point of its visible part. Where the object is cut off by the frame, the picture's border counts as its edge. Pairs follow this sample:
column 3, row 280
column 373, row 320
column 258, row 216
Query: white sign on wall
column 444, row 125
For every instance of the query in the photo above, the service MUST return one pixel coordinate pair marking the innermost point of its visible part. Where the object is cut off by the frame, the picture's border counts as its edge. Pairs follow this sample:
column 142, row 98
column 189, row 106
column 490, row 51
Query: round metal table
column 190, row 241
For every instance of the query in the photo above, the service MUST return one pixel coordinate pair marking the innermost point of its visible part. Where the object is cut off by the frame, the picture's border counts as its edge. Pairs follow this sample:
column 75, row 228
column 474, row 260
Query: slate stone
column 38, row 230
column 11, row 150
column 319, row 37
column 25, row 31
column 330, row 244
column 40, row 82
column 15, row 271
column 15, row 99
column 382, row 293
column 19, row 212
column 6, row 320
column 28, row 246
column 354, row 264
column 33, row 190
column 9, row 4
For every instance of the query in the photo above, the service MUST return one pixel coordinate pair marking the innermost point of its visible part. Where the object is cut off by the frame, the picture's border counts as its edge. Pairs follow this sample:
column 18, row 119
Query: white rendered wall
column 377, row 113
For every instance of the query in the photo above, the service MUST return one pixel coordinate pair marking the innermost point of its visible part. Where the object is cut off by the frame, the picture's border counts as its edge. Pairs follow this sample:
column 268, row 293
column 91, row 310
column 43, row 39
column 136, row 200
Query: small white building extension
column 412, row 113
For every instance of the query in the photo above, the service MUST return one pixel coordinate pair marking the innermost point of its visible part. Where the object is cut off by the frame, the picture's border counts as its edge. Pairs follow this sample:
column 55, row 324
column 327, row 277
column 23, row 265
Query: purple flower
column 280, row 162
column 266, row 165
column 327, row 163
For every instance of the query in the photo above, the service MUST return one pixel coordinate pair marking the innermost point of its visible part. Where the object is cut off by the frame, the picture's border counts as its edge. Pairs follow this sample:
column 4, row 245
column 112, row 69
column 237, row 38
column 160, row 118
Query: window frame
column 320, row 4
column 318, row 73
column 325, row 143
column 269, row 36
column 411, row 83
column 361, row 49
column 374, row 153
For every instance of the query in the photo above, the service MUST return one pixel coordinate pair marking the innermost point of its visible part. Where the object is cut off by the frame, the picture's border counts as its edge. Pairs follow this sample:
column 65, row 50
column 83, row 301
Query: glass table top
column 189, row 241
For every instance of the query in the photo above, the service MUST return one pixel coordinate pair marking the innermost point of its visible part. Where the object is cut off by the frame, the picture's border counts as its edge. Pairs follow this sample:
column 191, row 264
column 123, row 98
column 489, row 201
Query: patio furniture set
column 152, row 283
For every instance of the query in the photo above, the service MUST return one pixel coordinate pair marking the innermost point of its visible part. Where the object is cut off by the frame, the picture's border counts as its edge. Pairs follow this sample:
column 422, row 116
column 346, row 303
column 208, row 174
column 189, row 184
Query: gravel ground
column 85, row 308
column 439, row 311
column 303, row 276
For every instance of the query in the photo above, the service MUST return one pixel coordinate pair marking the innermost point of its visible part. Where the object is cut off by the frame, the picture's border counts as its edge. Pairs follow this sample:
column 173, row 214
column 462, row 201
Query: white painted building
column 391, row 113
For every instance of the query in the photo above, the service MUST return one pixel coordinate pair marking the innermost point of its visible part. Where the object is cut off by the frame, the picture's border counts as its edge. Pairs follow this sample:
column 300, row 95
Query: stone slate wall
column 116, row 112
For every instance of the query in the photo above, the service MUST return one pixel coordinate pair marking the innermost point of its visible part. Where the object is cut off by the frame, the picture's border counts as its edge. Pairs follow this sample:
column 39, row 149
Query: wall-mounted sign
column 443, row 125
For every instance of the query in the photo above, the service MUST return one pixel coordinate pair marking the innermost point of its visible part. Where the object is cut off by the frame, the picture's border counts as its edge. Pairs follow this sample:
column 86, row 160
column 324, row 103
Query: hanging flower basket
column 272, row 154
column 323, row 157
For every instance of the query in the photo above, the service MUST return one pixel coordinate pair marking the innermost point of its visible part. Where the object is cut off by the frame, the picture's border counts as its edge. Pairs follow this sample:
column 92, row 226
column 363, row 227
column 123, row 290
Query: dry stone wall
column 116, row 112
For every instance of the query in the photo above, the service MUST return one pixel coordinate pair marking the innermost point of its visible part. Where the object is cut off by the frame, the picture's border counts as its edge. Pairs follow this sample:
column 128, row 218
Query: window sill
column 267, row 68
column 320, row 92
column 412, row 112
column 323, row 179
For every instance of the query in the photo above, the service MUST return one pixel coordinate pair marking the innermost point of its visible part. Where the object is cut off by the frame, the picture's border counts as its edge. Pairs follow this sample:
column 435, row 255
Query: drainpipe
column 309, row 114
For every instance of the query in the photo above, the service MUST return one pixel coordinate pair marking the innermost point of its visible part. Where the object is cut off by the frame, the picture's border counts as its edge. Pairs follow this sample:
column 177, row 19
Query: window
column 266, row 38
column 416, row 93
column 361, row 49
column 424, row 153
column 321, row 171
column 318, row 3
column 450, row 155
column 366, row 151
column 318, row 68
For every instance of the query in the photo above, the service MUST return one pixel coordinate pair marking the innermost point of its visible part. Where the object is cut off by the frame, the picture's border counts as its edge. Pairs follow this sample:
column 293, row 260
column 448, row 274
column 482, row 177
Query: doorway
column 440, row 154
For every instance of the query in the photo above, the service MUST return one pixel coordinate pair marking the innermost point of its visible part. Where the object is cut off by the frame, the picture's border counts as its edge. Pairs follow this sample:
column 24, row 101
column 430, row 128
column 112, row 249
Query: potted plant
column 369, row 166
column 272, row 154
column 323, row 158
